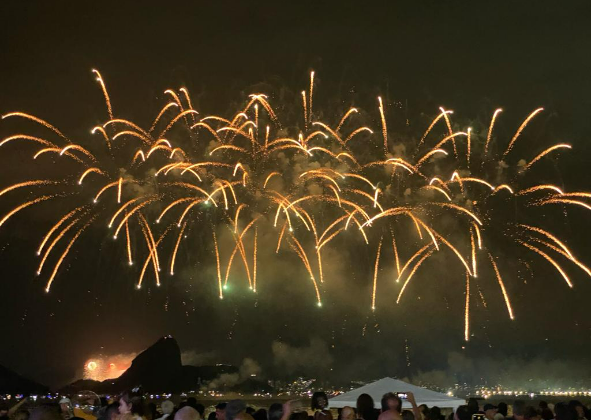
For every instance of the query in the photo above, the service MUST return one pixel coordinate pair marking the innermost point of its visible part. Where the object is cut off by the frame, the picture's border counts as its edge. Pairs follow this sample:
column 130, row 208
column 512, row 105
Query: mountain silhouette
column 13, row 383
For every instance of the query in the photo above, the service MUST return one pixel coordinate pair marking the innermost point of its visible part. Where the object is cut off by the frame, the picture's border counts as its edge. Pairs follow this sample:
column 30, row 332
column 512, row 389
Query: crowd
column 132, row 406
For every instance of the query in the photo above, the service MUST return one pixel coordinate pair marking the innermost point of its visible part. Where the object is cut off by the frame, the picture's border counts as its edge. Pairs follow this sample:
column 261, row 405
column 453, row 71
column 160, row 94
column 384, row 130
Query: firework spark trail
column 545, row 152
column 311, row 95
column 280, row 237
column 217, row 260
column 519, row 130
column 152, row 257
column 28, row 184
column 411, row 259
column 490, row 130
column 347, row 114
column 397, row 260
column 541, row 188
column 25, row 205
column 502, row 286
column 240, row 247
column 468, row 140
column 467, row 310
column 297, row 247
column 99, row 79
column 152, row 241
column 176, row 248
column 63, row 256
column 473, row 246
column 384, row 126
column 448, row 124
column 55, row 227
column 375, row 276
column 254, row 262
column 322, row 182
column 417, row 265
column 555, row 201
column 128, row 239
column 439, row 116
column 550, row 260
column 55, row 241
column 305, row 109
column 38, row 121
column 549, row 236
column 561, row 252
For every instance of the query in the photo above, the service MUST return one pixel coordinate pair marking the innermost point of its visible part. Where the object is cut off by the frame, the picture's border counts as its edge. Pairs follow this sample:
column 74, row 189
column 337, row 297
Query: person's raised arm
column 16, row 407
column 415, row 409
column 287, row 410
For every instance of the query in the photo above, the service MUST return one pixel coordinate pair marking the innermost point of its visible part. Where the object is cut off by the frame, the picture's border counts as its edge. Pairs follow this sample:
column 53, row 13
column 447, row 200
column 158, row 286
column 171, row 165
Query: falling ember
column 375, row 276
column 502, row 285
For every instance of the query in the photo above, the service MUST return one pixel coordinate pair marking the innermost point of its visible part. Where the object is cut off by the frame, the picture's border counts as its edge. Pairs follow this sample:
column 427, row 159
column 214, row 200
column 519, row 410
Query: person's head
column 111, row 411
column 391, row 401
column 462, row 413
column 489, row 411
column 234, row 408
column 220, row 411
column 365, row 406
column 473, row 406
column 543, row 404
column 348, row 413
column 547, row 414
column 275, row 411
column 408, row 415
column 300, row 415
column 187, row 413
column 250, row 410
column 434, row 413
column 531, row 413
column 260, row 414
column 578, row 407
column 65, row 405
column 192, row 402
column 319, row 400
column 20, row 415
column 212, row 416
column 167, row 407
column 131, row 403
column 424, row 409
column 200, row 409
column 502, row 408
column 518, row 409
column 45, row 413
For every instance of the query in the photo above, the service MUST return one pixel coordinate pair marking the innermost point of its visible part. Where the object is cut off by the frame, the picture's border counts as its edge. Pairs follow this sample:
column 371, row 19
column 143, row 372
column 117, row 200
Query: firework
column 304, row 181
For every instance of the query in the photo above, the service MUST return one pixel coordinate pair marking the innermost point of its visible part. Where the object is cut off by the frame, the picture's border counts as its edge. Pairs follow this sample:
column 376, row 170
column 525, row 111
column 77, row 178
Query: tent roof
column 378, row 388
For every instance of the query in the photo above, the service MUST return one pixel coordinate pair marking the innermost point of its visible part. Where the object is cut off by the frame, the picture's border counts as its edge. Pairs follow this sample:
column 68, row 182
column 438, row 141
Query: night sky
column 472, row 57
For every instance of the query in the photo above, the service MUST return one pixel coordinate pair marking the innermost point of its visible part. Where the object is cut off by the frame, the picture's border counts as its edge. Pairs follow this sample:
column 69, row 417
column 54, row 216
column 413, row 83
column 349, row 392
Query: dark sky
column 468, row 56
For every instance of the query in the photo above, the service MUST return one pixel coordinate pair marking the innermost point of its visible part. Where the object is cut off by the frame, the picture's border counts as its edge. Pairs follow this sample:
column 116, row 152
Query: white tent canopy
column 378, row 388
